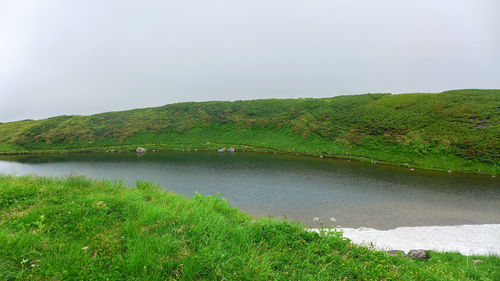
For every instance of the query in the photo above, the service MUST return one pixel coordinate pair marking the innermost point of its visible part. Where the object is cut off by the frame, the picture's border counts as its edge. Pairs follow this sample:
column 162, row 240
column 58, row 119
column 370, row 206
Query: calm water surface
column 300, row 188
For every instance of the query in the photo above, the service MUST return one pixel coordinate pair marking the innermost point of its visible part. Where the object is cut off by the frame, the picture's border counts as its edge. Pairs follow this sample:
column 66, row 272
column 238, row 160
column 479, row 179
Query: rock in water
column 140, row 150
column 222, row 150
column 417, row 254
column 230, row 150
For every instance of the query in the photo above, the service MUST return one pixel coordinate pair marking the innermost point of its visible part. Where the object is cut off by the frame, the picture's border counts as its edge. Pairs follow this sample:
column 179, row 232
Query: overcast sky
column 83, row 57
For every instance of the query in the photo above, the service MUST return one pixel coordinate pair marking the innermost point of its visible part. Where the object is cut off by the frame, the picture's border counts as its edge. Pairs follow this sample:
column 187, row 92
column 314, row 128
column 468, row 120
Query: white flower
column 333, row 219
column 85, row 248
column 24, row 261
column 33, row 265
column 316, row 219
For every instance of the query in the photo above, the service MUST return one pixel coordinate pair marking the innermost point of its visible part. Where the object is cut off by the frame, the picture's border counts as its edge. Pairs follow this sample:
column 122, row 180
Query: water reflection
column 355, row 193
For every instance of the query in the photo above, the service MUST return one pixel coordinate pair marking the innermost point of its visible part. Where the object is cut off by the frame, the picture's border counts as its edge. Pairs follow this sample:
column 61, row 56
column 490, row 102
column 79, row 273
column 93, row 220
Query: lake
column 299, row 188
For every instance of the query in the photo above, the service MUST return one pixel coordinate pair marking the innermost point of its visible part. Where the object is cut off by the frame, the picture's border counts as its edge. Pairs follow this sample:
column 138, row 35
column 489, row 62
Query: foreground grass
column 454, row 130
column 78, row 229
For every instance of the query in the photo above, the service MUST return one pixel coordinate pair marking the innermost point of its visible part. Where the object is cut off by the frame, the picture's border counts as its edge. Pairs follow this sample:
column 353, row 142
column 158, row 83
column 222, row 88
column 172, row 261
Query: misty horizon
column 86, row 57
column 133, row 108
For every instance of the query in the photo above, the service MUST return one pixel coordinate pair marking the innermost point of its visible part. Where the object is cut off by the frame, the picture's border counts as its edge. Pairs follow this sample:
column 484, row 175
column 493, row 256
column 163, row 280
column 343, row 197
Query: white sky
column 89, row 56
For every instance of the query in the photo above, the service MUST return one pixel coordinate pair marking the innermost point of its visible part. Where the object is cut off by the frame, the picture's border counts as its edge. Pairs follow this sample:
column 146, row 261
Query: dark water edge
column 300, row 188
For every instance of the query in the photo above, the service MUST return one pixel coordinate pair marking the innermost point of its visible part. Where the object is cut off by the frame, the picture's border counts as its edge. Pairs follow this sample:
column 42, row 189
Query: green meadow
column 449, row 131
column 74, row 228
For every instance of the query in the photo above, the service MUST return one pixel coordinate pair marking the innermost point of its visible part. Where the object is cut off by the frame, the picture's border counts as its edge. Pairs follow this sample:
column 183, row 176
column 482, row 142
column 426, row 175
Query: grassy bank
column 77, row 229
column 455, row 130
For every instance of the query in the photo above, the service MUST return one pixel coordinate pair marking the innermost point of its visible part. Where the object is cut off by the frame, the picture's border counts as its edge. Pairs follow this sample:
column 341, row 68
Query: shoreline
column 240, row 148
column 468, row 239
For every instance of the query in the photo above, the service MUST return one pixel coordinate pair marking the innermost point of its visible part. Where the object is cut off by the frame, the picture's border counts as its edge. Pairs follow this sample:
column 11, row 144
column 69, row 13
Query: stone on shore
column 417, row 254
column 395, row 252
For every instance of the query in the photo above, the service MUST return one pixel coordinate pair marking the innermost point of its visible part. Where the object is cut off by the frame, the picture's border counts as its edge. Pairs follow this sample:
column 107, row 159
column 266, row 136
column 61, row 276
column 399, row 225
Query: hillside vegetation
column 454, row 130
column 77, row 229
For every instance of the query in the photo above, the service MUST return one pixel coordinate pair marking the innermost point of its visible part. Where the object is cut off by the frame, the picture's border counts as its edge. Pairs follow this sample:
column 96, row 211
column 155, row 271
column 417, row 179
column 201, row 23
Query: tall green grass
column 454, row 130
column 75, row 228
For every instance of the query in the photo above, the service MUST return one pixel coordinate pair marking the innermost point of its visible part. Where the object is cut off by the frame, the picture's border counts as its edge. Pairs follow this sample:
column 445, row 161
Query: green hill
column 454, row 130
column 78, row 229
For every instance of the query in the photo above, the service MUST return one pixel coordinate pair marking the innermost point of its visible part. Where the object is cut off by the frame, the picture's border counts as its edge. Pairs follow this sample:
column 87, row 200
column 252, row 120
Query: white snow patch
column 482, row 239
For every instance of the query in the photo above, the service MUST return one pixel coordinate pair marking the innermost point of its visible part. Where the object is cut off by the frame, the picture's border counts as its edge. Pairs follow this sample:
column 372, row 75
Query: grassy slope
column 77, row 229
column 455, row 130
